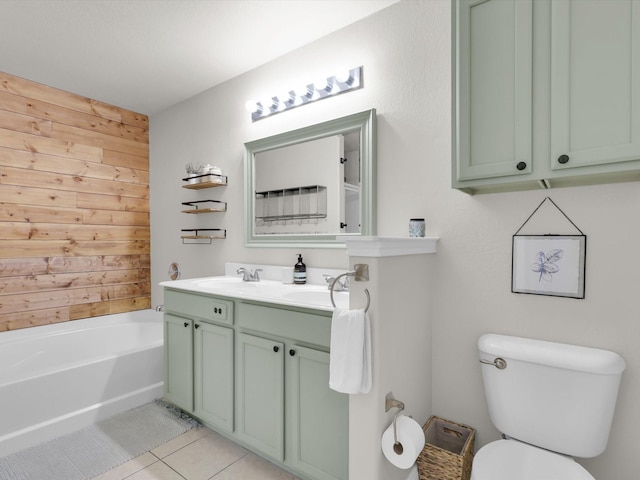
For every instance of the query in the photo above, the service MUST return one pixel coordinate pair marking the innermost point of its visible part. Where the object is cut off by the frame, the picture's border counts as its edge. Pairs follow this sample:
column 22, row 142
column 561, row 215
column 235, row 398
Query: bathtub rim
column 145, row 315
column 85, row 324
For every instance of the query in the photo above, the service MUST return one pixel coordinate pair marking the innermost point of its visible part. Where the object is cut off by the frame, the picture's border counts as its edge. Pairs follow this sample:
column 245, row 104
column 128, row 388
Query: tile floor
column 198, row 454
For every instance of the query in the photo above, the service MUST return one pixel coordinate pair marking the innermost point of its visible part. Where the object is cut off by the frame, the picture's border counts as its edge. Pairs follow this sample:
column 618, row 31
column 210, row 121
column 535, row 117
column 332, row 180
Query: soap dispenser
column 299, row 272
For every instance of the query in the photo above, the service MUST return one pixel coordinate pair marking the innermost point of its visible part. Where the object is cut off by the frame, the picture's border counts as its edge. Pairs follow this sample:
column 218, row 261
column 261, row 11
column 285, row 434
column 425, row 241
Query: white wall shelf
column 389, row 246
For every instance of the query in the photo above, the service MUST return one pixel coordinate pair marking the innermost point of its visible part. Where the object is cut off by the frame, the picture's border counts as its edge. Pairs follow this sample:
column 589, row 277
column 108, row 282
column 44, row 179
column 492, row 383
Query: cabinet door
column 494, row 88
column 178, row 358
column 260, row 393
column 319, row 417
column 213, row 371
column 595, row 82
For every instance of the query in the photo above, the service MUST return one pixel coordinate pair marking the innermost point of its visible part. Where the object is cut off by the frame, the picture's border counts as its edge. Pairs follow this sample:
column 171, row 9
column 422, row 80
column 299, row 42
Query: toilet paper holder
column 391, row 402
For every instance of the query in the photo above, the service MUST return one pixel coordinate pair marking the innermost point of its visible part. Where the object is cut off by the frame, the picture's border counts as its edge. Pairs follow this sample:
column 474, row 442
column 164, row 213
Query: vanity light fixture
column 341, row 82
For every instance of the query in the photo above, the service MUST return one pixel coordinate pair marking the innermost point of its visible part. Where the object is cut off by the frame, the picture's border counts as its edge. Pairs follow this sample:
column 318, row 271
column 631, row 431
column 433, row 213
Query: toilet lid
column 513, row 460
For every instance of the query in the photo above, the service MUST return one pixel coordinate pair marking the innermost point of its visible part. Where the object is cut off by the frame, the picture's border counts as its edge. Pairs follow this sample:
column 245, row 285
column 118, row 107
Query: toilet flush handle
column 499, row 363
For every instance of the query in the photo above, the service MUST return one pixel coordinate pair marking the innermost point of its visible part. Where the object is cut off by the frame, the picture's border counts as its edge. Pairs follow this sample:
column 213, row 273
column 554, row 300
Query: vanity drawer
column 199, row 306
column 292, row 324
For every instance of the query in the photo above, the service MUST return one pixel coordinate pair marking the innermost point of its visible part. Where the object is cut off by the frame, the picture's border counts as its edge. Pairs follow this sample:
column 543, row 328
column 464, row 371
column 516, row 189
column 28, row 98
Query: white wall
column 405, row 52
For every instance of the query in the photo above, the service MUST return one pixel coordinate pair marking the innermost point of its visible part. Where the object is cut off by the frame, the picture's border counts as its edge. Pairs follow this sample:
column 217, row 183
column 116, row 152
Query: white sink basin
column 222, row 282
column 318, row 297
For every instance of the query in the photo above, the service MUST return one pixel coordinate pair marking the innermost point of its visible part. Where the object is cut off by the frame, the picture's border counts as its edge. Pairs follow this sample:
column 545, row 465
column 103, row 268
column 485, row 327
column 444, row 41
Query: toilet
column 551, row 402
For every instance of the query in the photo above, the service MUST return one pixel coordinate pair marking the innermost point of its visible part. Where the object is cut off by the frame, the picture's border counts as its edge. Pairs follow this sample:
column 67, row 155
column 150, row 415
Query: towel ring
column 349, row 274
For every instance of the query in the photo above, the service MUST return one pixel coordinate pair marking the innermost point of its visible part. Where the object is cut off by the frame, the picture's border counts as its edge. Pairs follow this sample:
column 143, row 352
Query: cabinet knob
column 186, row 324
column 563, row 159
column 521, row 165
column 292, row 352
column 276, row 348
column 197, row 325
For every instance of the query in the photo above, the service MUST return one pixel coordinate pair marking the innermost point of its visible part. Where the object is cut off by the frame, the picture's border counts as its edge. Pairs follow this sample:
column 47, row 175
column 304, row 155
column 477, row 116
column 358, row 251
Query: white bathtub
column 55, row 379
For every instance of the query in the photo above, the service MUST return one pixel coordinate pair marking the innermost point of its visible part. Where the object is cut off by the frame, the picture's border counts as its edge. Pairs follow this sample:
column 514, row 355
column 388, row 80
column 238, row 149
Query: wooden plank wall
column 74, row 206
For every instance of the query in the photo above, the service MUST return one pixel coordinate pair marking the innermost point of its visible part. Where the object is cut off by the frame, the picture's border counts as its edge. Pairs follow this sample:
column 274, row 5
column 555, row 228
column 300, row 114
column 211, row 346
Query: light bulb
column 284, row 98
column 267, row 104
column 303, row 91
column 252, row 106
column 344, row 76
column 321, row 84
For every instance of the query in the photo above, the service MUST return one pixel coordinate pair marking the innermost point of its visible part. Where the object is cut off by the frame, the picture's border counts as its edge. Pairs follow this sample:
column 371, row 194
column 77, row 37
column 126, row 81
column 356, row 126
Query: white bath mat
column 92, row 451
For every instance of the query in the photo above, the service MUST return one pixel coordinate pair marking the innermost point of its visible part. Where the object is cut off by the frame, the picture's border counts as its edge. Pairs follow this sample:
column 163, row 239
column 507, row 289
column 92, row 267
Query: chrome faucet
column 248, row 275
column 341, row 285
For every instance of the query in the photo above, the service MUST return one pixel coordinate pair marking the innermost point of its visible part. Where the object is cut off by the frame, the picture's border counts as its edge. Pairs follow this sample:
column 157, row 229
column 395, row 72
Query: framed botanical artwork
column 549, row 265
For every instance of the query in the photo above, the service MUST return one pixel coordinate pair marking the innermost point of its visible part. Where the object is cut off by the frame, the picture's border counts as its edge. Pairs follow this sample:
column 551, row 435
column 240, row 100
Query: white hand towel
column 350, row 355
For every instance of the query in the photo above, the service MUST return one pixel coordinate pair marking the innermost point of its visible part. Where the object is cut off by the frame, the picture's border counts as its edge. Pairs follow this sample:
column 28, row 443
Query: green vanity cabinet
column 259, row 374
column 199, row 357
column 545, row 93
column 319, row 417
column 261, row 394
column 284, row 405
column 199, row 306
column 178, row 361
column 213, row 374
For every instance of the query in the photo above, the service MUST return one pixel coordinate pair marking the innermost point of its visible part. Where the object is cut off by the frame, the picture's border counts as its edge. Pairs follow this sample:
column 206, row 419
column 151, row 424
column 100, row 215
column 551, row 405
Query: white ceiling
column 146, row 55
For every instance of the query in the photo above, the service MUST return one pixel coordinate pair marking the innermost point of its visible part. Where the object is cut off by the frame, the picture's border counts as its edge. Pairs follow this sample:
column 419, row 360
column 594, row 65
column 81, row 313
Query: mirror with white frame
column 311, row 187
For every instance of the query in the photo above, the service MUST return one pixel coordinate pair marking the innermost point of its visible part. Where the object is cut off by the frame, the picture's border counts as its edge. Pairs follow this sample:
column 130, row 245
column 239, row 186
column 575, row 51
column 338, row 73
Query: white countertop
column 268, row 291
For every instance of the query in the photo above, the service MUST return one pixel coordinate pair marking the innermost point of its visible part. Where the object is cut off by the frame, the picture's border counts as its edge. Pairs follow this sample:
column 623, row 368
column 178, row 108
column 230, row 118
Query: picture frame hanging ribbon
column 549, row 264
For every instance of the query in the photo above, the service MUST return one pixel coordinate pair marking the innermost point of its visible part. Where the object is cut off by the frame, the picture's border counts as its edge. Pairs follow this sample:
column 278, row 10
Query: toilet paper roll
column 410, row 436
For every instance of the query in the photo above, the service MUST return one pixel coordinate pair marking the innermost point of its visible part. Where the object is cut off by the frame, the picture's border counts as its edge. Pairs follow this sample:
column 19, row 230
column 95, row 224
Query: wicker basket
column 448, row 450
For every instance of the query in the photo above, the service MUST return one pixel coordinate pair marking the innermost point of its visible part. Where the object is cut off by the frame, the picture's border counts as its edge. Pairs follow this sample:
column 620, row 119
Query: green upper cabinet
column 494, row 103
column 595, row 82
column 546, row 93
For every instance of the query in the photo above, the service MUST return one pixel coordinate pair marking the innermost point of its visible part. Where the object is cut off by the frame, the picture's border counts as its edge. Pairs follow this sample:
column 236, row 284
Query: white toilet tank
column 556, row 396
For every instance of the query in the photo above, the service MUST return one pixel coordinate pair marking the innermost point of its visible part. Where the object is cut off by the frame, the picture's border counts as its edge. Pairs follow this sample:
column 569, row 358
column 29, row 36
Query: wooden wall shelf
column 208, row 180
column 220, row 234
column 217, row 207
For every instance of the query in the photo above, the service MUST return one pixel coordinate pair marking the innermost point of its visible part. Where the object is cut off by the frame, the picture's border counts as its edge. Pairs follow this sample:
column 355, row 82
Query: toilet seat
column 513, row 460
